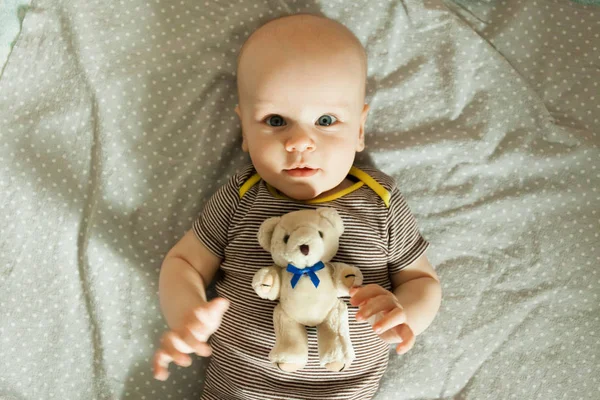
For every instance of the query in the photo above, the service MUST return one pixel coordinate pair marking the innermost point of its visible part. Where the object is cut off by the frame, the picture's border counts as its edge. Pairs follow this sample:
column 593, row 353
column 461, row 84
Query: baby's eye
column 275, row 120
column 326, row 120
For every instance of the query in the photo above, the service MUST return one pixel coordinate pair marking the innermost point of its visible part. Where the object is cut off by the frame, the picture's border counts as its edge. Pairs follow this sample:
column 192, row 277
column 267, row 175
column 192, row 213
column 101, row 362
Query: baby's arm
column 417, row 288
column 406, row 311
column 185, row 272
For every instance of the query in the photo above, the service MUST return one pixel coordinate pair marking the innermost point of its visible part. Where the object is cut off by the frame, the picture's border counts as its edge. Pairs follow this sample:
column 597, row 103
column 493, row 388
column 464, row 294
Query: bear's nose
column 304, row 249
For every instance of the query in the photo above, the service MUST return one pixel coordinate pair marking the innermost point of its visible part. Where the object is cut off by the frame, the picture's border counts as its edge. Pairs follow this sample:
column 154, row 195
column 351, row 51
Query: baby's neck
column 346, row 183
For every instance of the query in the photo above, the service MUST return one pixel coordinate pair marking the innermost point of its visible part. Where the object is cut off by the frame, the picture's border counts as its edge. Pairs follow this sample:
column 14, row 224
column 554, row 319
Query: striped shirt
column 380, row 237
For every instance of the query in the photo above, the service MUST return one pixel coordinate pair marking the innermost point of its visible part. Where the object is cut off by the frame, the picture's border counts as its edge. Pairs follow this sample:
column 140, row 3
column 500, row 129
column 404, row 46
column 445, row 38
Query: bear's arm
column 344, row 277
column 267, row 282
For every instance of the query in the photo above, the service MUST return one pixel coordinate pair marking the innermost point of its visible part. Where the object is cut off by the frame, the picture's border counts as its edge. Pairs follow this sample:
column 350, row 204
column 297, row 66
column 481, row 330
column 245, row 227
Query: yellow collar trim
column 248, row 184
column 373, row 184
column 365, row 179
column 325, row 199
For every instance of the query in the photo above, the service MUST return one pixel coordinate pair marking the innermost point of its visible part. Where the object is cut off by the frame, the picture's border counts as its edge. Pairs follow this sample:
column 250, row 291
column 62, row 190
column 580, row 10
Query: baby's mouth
column 301, row 172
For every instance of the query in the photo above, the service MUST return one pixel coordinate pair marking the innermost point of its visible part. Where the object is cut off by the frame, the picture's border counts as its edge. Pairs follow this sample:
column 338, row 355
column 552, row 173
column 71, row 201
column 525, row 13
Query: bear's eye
column 286, row 238
column 321, row 234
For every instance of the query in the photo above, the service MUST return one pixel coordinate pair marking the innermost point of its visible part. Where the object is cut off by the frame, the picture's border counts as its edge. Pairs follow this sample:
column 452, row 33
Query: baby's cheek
column 263, row 140
column 265, row 152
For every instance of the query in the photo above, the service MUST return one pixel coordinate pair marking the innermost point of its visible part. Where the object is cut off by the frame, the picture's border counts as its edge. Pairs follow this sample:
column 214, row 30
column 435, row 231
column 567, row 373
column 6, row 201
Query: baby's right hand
column 190, row 338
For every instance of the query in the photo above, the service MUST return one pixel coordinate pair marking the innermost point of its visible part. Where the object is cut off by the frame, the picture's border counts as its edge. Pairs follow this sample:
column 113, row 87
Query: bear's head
column 302, row 238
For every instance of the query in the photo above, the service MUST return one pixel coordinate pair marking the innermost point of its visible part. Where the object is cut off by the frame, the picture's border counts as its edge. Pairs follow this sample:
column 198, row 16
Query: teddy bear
column 308, row 286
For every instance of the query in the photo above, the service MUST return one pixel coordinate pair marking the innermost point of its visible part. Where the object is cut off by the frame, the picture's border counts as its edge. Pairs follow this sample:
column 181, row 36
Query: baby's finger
column 362, row 294
column 203, row 350
column 211, row 314
column 200, row 347
column 219, row 305
column 205, row 324
column 408, row 339
column 195, row 329
column 382, row 303
column 161, row 365
column 394, row 318
column 175, row 341
column 216, row 308
column 174, row 346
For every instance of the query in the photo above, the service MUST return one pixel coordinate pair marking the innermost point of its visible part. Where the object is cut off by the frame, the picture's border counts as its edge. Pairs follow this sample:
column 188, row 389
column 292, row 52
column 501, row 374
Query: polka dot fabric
column 117, row 123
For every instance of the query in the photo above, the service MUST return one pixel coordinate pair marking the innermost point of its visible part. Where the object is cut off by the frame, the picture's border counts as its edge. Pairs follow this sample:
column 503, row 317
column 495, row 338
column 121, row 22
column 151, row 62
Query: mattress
column 117, row 123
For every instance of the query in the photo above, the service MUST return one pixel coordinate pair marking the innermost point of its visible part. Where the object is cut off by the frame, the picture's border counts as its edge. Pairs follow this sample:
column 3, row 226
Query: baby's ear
column 331, row 215
column 265, row 232
column 244, row 141
column 361, row 133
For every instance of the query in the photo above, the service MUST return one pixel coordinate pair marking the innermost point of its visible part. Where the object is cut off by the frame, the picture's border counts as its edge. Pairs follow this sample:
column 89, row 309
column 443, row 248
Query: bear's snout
column 304, row 249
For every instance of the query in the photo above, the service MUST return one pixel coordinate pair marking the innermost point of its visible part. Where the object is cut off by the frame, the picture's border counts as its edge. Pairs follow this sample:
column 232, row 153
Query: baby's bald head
column 301, row 86
column 310, row 39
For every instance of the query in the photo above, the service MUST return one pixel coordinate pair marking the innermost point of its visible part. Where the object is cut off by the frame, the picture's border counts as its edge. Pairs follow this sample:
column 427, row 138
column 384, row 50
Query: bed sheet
column 12, row 13
column 117, row 123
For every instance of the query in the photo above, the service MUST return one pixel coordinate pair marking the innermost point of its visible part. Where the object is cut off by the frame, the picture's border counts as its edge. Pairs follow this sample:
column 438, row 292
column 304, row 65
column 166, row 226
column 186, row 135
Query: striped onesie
column 380, row 237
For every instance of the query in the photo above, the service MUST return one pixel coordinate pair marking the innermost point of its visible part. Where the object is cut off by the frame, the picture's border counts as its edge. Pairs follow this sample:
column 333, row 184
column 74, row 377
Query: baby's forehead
column 301, row 57
column 305, row 99
column 301, row 35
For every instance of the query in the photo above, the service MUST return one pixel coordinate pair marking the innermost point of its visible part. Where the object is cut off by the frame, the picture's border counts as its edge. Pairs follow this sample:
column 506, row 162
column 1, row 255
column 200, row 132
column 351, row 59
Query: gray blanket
column 117, row 123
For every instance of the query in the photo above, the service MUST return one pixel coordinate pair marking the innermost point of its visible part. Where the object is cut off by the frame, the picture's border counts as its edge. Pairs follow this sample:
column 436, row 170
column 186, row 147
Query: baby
column 301, row 85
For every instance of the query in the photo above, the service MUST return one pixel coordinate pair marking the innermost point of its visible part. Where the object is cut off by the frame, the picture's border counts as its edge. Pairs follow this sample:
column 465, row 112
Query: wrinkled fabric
column 117, row 123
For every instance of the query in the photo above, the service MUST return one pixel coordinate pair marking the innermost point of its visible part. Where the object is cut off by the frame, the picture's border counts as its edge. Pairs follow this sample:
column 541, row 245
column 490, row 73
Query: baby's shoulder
column 240, row 178
column 243, row 175
column 230, row 193
column 386, row 181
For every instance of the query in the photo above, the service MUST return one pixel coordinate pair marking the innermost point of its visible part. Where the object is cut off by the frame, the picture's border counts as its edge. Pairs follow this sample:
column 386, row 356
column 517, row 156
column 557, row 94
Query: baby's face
column 302, row 117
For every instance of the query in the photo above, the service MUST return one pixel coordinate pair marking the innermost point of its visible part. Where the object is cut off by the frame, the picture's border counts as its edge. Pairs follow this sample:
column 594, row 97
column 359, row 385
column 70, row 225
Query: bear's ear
column 265, row 232
column 331, row 215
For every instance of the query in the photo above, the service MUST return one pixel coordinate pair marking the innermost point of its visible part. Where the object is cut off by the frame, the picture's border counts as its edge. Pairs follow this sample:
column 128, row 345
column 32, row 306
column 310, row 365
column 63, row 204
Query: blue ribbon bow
column 310, row 271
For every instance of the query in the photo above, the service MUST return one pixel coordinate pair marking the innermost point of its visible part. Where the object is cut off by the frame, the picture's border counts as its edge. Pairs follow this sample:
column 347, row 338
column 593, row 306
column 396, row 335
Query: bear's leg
column 291, row 343
column 335, row 349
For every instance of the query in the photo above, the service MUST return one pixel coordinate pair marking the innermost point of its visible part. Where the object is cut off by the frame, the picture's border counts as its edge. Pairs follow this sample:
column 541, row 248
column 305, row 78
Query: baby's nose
column 304, row 249
column 300, row 142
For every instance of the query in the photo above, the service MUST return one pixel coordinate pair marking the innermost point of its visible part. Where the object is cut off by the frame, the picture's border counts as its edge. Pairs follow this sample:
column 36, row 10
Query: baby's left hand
column 391, row 328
